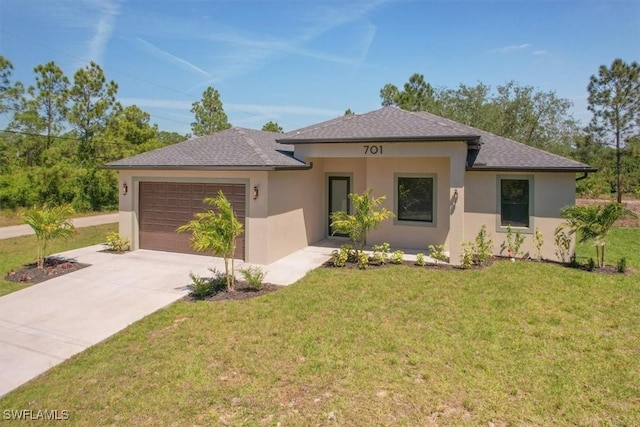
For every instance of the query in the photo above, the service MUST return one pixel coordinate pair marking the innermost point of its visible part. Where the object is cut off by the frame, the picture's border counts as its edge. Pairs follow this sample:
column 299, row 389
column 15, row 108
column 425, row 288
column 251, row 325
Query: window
column 514, row 202
column 415, row 198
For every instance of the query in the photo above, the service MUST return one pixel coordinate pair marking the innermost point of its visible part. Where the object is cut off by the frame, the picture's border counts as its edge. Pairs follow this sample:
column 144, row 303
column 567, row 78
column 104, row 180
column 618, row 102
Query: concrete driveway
column 45, row 324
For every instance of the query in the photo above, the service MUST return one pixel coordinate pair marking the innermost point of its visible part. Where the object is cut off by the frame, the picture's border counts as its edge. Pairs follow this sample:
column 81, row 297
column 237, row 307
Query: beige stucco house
column 443, row 181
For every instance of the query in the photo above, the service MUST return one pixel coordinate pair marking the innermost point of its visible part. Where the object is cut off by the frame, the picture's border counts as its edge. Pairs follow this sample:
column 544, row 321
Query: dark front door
column 339, row 189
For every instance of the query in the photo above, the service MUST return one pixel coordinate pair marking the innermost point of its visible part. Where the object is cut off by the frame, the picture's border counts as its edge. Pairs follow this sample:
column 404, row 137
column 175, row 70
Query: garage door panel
column 166, row 206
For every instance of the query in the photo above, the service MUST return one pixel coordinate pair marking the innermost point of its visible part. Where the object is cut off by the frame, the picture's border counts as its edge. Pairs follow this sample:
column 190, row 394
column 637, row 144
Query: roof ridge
column 258, row 150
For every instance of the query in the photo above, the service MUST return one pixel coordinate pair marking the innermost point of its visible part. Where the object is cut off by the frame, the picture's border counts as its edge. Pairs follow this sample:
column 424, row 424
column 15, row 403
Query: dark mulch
column 608, row 269
column 241, row 291
column 53, row 267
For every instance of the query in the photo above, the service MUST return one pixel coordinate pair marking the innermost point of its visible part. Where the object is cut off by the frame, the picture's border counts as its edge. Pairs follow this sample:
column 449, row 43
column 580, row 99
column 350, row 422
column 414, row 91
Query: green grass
column 624, row 242
column 514, row 344
column 18, row 251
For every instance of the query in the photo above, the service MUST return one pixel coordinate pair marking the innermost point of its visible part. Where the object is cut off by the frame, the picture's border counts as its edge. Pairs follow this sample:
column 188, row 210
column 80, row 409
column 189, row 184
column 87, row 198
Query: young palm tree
column 49, row 224
column 216, row 232
column 593, row 222
column 367, row 217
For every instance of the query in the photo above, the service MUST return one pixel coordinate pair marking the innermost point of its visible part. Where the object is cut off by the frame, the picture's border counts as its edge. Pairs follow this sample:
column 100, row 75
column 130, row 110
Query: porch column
column 456, row 204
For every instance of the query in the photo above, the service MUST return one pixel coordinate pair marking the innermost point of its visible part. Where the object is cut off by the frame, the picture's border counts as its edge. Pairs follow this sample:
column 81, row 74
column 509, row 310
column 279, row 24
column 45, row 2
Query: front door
column 339, row 189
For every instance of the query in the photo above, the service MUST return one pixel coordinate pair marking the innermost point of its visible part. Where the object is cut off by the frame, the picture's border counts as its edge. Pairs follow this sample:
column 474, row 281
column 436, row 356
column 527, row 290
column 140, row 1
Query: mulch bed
column 53, row 267
column 607, row 269
column 241, row 291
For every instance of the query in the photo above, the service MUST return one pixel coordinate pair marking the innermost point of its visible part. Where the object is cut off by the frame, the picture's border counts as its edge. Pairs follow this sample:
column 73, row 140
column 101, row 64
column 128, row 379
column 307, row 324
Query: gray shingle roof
column 231, row 148
column 394, row 125
column 388, row 123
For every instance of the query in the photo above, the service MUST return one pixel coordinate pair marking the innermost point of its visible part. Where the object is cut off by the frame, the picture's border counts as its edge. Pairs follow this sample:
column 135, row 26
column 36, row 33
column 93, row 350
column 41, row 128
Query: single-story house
column 443, row 180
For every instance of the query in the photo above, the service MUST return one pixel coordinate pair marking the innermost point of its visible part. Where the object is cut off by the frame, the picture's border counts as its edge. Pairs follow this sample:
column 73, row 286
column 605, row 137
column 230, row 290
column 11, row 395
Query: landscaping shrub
column 437, row 253
column 254, row 276
column 363, row 260
column 466, row 258
column 538, row 241
column 397, row 257
column 622, row 265
column 483, row 246
column 420, row 259
column 562, row 241
column 116, row 243
column 381, row 252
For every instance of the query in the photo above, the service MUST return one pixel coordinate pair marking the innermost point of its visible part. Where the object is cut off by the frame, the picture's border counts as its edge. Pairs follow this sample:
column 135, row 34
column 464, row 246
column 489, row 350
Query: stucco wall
column 552, row 191
column 256, row 235
column 377, row 170
column 295, row 210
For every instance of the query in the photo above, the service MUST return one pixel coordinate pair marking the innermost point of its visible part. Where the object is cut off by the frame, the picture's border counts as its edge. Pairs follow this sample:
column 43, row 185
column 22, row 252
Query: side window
column 515, row 199
column 415, row 199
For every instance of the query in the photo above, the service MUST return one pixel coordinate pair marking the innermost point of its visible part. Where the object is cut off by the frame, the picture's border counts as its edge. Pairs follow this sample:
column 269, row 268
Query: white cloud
column 511, row 48
column 183, row 63
column 539, row 52
column 108, row 11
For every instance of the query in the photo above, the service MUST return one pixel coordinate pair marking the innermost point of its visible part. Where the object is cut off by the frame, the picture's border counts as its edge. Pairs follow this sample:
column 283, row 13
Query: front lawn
column 514, row 344
column 18, row 251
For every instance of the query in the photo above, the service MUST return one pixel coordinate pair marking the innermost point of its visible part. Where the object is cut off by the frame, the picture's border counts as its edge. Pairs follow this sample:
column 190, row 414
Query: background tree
column 209, row 114
column 9, row 92
column 348, row 112
column 272, row 127
column 417, row 95
column 614, row 100
column 94, row 102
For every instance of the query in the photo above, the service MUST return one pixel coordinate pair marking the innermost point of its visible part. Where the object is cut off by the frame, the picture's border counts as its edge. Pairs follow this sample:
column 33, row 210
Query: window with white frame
column 515, row 201
column 415, row 199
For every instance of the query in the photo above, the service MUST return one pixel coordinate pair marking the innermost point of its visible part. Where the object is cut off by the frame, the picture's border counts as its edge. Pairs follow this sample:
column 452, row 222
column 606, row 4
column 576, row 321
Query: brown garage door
column 165, row 206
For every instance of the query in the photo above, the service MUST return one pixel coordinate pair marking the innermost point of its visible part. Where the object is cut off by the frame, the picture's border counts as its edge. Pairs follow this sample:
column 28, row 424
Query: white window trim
column 503, row 228
column 434, row 205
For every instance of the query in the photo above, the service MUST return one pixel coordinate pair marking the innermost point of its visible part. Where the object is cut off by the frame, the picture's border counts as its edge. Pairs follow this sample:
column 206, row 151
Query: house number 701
column 373, row 149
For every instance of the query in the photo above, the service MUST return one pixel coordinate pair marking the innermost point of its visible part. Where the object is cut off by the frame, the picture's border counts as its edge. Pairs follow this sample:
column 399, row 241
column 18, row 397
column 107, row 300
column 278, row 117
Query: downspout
column 580, row 178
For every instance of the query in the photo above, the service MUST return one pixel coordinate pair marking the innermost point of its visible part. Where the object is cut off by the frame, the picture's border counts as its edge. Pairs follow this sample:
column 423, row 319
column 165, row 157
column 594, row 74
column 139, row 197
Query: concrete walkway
column 42, row 325
column 87, row 221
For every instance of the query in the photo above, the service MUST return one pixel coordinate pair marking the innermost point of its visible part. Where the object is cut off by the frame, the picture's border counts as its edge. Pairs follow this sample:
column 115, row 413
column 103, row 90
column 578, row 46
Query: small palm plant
column 367, row 217
column 49, row 223
column 593, row 222
column 216, row 231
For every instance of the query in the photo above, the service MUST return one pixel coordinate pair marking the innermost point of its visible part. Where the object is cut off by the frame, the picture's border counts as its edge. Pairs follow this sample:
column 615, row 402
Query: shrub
column 420, row 259
column 591, row 264
column 512, row 243
column 203, row 287
column 254, row 276
column 622, row 265
column 538, row 241
column 116, row 243
column 341, row 256
column 483, row 246
column 466, row 258
column 397, row 257
column 437, row 253
column 363, row 260
column 381, row 253
column 562, row 241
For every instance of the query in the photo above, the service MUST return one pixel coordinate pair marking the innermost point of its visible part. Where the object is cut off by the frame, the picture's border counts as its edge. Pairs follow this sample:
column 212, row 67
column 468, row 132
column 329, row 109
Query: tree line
column 62, row 130
column 610, row 142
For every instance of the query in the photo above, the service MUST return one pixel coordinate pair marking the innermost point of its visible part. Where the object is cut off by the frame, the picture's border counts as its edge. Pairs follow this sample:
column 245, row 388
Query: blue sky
column 302, row 62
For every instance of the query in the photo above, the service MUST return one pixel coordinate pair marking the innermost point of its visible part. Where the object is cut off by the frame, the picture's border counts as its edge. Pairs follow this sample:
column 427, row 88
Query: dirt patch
column 53, row 267
column 626, row 221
